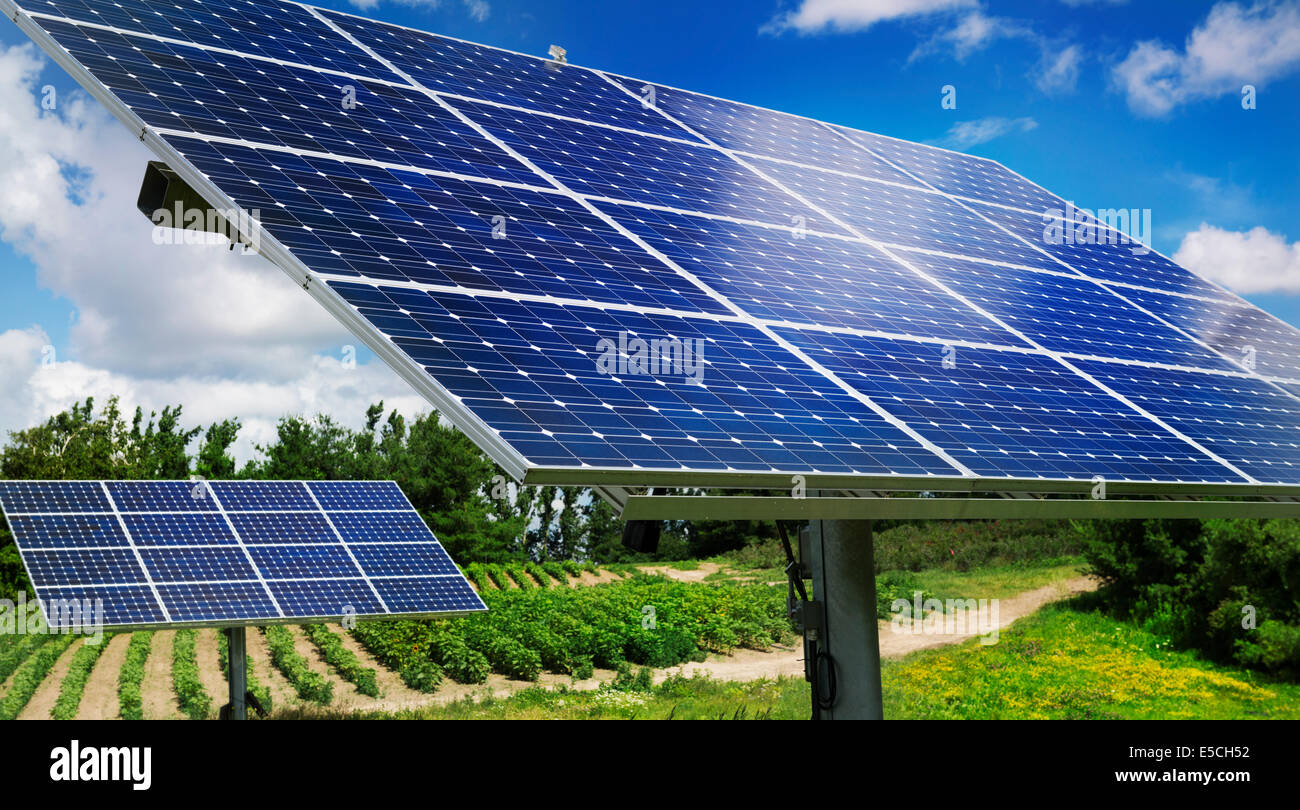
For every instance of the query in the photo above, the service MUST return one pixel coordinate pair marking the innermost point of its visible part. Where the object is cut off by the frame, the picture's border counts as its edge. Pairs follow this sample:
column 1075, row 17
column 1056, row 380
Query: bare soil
column 157, row 695
column 698, row 575
column 42, row 702
column 100, row 700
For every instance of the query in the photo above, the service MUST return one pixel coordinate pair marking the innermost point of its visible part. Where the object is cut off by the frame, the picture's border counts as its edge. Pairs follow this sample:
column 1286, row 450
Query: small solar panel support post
column 846, row 663
column 237, row 656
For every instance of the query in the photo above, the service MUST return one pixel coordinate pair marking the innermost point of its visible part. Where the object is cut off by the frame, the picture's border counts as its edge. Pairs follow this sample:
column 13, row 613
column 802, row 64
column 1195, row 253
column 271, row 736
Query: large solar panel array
column 175, row 553
column 860, row 306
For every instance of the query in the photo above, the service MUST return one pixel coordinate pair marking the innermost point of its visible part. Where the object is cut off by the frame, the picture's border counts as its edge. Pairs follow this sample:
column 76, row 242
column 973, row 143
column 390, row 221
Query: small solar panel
column 490, row 223
column 165, row 553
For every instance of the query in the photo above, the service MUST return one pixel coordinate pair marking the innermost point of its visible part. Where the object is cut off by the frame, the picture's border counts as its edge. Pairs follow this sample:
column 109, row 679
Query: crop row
column 74, row 681
column 194, row 700
column 29, row 676
column 131, row 676
column 342, row 659
column 309, row 684
column 649, row 621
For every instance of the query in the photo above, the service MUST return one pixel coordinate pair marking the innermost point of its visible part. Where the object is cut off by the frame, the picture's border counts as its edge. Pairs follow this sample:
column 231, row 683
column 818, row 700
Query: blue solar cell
column 403, row 559
column 743, row 128
column 179, row 530
column 1249, row 337
column 272, row 29
column 109, row 566
column 283, row 527
column 403, row 527
column 958, row 174
column 303, row 562
column 466, row 69
column 904, row 216
column 110, row 606
column 428, row 595
column 1105, row 257
column 67, row 531
column 401, row 226
column 177, row 87
column 18, row 497
column 175, row 564
column 334, row 495
column 1011, row 414
column 1252, row 424
column 603, row 162
column 161, row 496
column 260, row 496
column 217, row 601
column 761, row 408
column 785, row 275
column 334, row 598
column 1065, row 314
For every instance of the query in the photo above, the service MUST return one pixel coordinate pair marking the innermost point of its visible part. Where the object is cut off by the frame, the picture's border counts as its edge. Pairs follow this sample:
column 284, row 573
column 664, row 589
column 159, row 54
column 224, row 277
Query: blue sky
column 1105, row 102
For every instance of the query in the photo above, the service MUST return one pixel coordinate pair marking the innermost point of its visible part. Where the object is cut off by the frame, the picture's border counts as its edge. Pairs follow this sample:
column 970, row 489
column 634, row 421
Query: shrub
column 1194, row 583
column 475, row 573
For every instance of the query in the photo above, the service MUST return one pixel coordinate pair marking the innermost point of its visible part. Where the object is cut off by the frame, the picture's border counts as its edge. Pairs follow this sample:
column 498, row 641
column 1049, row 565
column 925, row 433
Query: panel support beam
column 843, row 655
column 740, row 507
column 237, row 677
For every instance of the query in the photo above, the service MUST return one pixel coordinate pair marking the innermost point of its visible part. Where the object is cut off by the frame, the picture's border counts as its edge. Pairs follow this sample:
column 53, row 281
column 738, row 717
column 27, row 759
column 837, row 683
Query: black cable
column 821, row 661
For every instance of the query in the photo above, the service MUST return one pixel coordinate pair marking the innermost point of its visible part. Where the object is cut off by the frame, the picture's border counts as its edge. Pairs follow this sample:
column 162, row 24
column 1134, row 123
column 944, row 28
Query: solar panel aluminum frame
column 233, row 623
column 607, row 481
column 486, row 439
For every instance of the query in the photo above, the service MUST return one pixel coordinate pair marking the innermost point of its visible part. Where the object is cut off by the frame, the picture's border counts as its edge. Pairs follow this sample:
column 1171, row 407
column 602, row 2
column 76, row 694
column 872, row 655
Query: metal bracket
column 810, row 618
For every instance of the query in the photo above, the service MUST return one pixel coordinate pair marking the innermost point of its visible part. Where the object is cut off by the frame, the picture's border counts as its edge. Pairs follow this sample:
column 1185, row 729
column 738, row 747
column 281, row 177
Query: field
column 693, row 639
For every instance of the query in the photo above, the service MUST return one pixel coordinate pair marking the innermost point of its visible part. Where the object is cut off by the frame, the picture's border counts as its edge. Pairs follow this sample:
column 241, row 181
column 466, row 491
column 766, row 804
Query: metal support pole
column 848, row 644
column 238, row 675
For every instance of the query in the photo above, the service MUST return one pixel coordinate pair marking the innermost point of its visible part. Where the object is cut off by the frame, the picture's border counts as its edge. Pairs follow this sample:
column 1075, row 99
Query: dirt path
column 696, row 575
column 38, row 708
column 100, row 700
column 749, row 665
column 157, row 695
column 211, row 676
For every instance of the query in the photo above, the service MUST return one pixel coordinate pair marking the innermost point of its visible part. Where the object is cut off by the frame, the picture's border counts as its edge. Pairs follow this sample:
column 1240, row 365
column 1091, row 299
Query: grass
column 995, row 582
column 697, row 698
column 1060, row 663
column 1067, row 664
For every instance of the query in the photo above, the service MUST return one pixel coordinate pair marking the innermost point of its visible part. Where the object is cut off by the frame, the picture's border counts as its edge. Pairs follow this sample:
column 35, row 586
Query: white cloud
column 971, row 33
column 35, row 390
column 816, row 16
column 1256, row 261
column 1235, row 46
column 971, row 133
column 224, row 335
column 479, row 10
column 1058, row 71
